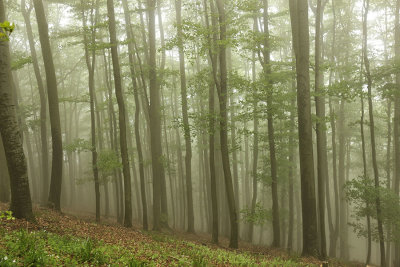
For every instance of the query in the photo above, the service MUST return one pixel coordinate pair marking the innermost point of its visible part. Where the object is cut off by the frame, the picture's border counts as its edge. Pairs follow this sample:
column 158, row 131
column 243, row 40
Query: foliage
column 6, row 215
column 259, row 217
column 20, row 62
column 6, row 28
column 78, row 145
column 29, row 247
column 108, row 161
column 362, row 194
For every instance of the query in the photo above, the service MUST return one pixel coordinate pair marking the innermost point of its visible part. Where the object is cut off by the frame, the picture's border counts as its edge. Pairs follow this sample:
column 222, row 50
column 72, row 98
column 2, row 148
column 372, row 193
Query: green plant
column 89, row 253
column 136, row 263
column 6, row 215
column 6, row 28
column 29, row 247
column 6, row 260
column 199, row 262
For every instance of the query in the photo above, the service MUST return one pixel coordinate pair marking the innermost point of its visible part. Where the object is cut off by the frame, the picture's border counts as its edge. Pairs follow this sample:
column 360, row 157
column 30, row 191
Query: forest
column 200, row 133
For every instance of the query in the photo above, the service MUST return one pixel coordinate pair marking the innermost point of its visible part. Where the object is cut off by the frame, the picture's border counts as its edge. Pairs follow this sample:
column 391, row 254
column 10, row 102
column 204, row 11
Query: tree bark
column 43, row 104
column 155, row 119
column 222, row 94
column 121, row 115
column 91, row 63
column 266, row 63
column 396, row 123
column 211, row 125
column 186, row 126
column 131, row 51
column 4, row 176
column 21, row 204
column 57, row 158
column 372, row 133
column 300, row 32
column 322, row 167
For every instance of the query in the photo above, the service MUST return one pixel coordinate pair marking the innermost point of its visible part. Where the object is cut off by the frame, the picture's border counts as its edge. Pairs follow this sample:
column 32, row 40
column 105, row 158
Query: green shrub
column 29, row 247
column 136, row 263
column 88, row 252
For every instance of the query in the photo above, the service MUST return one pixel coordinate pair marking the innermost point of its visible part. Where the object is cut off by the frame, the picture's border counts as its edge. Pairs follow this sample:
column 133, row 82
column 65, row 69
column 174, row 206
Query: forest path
column 158, row 249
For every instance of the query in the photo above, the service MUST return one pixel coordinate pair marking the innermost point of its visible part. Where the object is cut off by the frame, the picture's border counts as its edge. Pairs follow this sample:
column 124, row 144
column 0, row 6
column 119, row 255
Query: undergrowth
column 41, row 248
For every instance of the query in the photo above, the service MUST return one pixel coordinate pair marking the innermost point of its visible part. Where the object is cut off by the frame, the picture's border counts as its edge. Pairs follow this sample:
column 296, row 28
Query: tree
column 131, row 51
column 300, row 34
column 266, row 64
column 222, row 95
column 155, row 119
column 396, row 124
column 91, row 63
column 372, row 132
column 211, row 109
column 320, row 128
column 121, row 114
column 21, row 204
column 186, row 126
column 54, row 111
column 43, row 105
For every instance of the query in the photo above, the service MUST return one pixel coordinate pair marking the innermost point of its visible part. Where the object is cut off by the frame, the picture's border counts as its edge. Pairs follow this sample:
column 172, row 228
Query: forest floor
column 57, row 239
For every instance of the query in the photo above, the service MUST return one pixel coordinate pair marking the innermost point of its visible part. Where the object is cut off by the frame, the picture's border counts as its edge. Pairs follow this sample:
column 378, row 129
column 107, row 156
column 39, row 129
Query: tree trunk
column 57, row 158
column 372, row 132
column 300, row 32
column 91, row 63
column 222, row 94
column 121, row 113
column 137, row 115
column 271, row 131
column 155, row 119
column 396, row 123
column 21, row 204
column 4, row 176
column 43, row 105
column 211, row 110
column 186, row 126
column 255, row 144
column 292, row 168
column 320, row 128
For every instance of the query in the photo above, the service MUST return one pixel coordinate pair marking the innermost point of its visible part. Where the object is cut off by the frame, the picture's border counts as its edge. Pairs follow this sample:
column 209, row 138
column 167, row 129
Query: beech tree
column 300, row 32
column 54, row 110
column 21, row 204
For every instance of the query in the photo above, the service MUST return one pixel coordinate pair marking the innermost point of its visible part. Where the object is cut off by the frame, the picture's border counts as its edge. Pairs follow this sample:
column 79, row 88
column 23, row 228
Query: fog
column 245, row 120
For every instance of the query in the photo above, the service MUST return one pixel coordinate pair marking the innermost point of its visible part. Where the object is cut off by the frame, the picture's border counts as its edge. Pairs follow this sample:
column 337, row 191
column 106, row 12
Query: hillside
column 59, row 239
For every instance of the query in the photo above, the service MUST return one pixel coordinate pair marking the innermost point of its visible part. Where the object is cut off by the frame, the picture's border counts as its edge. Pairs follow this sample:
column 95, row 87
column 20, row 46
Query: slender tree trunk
column 91, row 63
column 222, row 94
column 155, row 119
column 320, row 129
column 160, row 77
column 137, row 115
column 333, row 226
column 396, row 123
column 365, row 174
column 266, row 63
column 211, row 110
column 300, row 32
column 57, row 158
column 372, row 132
column 186, row 126
column 343, row 230
column 255, row 144
column 43, row 105
column 292, row 168
column 121, row 113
